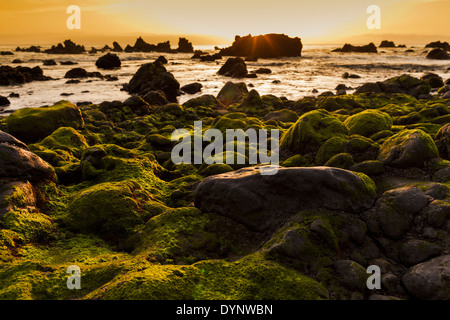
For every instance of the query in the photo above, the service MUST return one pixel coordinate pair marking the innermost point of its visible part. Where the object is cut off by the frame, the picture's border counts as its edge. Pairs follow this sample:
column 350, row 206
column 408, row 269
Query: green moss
column 32, row 124
column 311, row 130
column 368, row 122
column 330, row 148
column 215, row 168
column 341, row 160
column 67, row 139
column 296, row 161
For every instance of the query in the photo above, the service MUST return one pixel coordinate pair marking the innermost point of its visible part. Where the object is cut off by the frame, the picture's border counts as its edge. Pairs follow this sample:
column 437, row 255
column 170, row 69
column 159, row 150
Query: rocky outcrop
column 438, row 54
column 370, row 48
column 264, row 46
column 184, row 46
column 78, row 73
column 109, row 61
column 387, row 44
column 69, row 47
column 154, row 77
column 117, row 47
column 439, row 44
column 234, row 67
column 19, row 75
column 402, row 84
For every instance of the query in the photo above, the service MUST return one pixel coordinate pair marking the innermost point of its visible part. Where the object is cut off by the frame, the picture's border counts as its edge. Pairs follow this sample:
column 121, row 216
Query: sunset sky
column 216, row 22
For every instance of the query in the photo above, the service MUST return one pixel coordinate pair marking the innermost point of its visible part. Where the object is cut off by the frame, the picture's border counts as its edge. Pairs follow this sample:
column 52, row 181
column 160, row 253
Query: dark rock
column 402, row 84
column 408, row 148
column 4, row 101
column 192, row 88
column 434, row 80
column 184, row 46
column 156, row 98
column 6, row 53
column 439, row 44
column 35, row 49
column 443, row 141
column 370, row 48
column 416, row 251
column 19, row 75
column 234, row 67
column 429, row 280
column 68, row 47
column 68, row 63
column 142, row 46
column 409, row 50
column 264, row 46
column 50, row 62
column 19, row 163
column 109, row 61
column 73, row 81
column 263, row 71
column 109, row 77
column 17, row 61
column 206, row 100
column 66, row 94
column 154, row 77
column 387, row 44
column 9, row 139
column 232, row 93
column 251, row 75
column 438, row 54
column 162, row 60
column 347, row 75
column 351, row 274
column 117, row 47
column 81, row 73
column 14, row 95
column 137, row 105
column 262, row 202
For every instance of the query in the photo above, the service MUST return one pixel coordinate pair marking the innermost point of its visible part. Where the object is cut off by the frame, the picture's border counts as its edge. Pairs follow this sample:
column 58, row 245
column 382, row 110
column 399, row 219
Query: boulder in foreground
column 265, row 46
column 262, row 202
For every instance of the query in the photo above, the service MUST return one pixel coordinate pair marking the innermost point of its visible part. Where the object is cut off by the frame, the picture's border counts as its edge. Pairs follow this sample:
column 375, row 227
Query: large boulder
column 234, row 67
column 4, row 101
column 438, row 54
column 264, row 46
column 108, row 61
column 14, row 76
column 408, row 148
column 232, row 93
column 429, row 280
column 262, row 202
column 33, row 124
column 20, row 164
column 154, row 77
column 368, row 122
column 311, row 130
column 387, row 44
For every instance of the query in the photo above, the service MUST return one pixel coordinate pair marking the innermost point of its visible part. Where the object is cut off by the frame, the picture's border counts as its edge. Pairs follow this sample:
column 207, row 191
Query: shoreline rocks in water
column 387, row 44
column 438, row 54
column 438, row 44
column 109, row 61
column 81, row 73
column 369, row 48
column 184, row 46
column 68, row 47
column 19, row 75
column 264, row 46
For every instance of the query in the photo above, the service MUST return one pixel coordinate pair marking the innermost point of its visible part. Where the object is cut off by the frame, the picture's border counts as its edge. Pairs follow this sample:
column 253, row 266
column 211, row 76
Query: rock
column 154, row 77
column 142, row 46
column 9, row 139
column 438, row 54
column 117, row 47
column 437, row 213
column 262, row 202
column 137, row 105
column 263, row 71
column 327, row 94
column 284, row 115
column 19, row 163
column 19, row 75
column 77, row 73
column 368, row 122
column 347, row 75
column 35, row 49
column 311, row 130
column 156, row 98
column 50, row 62
column 17, row 61
column 184, row 46
column 443, row 141
column 4, row 101
column 416, row 251
column 232, row 93
column 434, row 80
column 109, row 61
column 73, row 81
column 264, row 46
column 6, row 53
column 402, row 84
column 351, row 274
column 439, row 44
column 206, row 100
column 14, row 95
column 162, row 60
column 408, row 148
column 16, row 194
column 370, row 48
column 69, row 47
column 234, row 67
column 192, row 88
column 68, row 63
column 33, row 124
column 387, row 44
column 429, row 280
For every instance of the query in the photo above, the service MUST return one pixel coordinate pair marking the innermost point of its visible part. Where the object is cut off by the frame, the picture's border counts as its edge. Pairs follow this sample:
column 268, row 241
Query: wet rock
column 109, row 61
column 162, row 60
column 50, row 62
column 264, row 46
column 4, row 101
column 14, row 95
column 439, row 44
column 443, row 141
column 368, row 122
column 206, row 100
column 263, row 71
column 156, row 98
column 434, row 80
column 192, row 88
column 68, row 63
column 347, row 75
column 234, row 67
column 6, row 53
column 154, row 77
column 77, row 73
column 17, row 61
column 232, row 93
column 284, row 115
column 437, row 213
column 438, row 54
column 19, row 75
column 370, row 48
column 262, row 201
column 408, row 148
column 402, row 84
column 429, row 280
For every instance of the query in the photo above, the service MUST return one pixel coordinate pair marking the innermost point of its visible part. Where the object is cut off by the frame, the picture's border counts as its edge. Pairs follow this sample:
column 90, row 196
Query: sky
column 208, row 22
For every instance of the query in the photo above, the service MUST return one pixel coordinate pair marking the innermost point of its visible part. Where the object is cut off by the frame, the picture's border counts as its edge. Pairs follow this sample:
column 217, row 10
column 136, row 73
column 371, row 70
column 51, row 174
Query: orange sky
column 216, row 22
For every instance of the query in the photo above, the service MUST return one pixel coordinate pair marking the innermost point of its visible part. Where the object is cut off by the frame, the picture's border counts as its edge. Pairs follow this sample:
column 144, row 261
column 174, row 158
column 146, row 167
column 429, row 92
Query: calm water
column 318, row 69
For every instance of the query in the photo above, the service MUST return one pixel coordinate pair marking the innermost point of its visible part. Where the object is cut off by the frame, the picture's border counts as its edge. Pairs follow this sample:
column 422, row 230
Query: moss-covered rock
column 408, row 148
column 232, row 93
column 368, row 122
column 311, row 130
column 33, row 124
column 340, row 160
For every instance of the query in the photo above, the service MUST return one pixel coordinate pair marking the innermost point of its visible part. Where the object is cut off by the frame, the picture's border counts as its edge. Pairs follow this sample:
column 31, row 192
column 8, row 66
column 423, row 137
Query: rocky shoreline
column 364, row 180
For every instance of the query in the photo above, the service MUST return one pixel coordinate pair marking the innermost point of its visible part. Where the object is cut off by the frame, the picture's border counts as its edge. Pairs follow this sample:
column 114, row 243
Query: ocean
column 294, row 78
